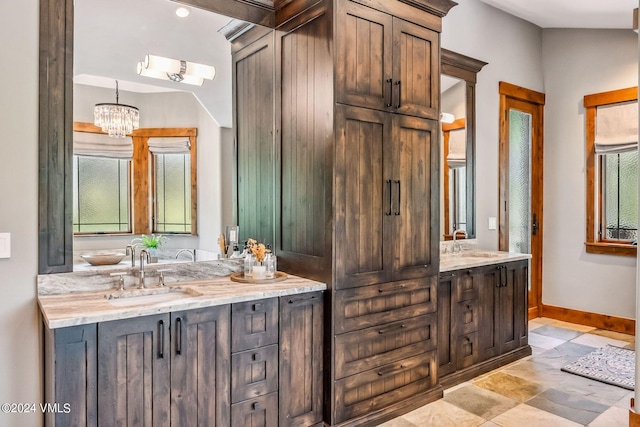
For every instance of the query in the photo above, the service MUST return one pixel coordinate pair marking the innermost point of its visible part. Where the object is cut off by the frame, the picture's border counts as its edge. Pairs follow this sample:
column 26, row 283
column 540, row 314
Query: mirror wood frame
column 466, row 68
column 55, row 173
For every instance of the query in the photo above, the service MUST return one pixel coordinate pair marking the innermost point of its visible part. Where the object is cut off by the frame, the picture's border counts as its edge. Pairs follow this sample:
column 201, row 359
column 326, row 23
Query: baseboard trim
column 534, row 312
column 601, row 321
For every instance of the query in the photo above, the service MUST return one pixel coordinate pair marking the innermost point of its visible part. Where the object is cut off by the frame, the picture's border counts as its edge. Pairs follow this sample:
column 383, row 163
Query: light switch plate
column 492, row 223
column 5, row 245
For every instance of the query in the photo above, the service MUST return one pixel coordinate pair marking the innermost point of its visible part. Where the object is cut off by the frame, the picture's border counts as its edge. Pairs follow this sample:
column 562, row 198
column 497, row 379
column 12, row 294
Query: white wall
column 578, row 63
column 512, row 47
column 20, row 360
column 170, row 109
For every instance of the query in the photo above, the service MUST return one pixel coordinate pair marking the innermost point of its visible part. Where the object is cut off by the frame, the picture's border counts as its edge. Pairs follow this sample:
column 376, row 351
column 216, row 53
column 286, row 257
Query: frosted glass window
column 620, row 196
column 100, row 195
column 519, row 182
column 172, row 174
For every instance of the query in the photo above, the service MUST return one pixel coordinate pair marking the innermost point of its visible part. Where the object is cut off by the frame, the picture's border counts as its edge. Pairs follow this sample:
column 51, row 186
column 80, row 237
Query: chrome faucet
column 144, row 254
column 189, row 251
column 130, row 250
column 455, row 233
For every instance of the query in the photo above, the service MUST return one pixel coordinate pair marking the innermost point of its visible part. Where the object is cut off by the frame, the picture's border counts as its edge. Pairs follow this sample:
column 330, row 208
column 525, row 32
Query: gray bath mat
column 609, row 364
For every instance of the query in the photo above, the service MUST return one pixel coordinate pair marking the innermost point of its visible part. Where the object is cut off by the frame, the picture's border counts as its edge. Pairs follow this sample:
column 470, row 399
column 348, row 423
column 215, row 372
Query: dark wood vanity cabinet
column 356, row 149
column 386, row 168
column 256, row 363
column 482, row 319
column 385, row 62
column 148, row 374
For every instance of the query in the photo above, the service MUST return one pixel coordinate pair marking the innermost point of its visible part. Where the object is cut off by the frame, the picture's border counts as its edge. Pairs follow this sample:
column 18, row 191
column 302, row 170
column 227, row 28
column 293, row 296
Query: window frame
column 594, row 243
column 142, row 191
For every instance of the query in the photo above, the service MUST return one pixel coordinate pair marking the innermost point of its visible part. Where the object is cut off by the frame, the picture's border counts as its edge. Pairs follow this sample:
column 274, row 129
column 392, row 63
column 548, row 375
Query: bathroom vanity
column 482, row 313
column 223, row 353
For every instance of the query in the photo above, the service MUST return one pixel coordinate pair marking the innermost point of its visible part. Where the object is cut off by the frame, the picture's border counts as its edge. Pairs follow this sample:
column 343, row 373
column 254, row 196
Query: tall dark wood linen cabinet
column 336, row 125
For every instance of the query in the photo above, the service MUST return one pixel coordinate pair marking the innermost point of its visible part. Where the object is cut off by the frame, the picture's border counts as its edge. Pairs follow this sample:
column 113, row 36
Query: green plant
column 150, row 242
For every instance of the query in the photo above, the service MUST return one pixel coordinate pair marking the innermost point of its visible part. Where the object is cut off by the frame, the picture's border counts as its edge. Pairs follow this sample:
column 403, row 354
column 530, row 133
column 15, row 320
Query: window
column 141, row 184
column 612, row 172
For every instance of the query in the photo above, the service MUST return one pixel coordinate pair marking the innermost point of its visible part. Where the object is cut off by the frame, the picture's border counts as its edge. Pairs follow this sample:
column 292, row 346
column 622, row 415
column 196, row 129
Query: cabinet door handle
column 255, row 406
column 388, row 213
column 390, row 81
column 399, row 84
column 397, row 212
column 178, row 335
column 256, row 307
column 161, row 340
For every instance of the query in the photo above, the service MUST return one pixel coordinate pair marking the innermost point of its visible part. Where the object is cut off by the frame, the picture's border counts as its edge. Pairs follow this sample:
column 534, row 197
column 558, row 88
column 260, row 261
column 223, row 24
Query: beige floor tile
column 614, row 335
column 443, row 414
column 625, row 402
column 513, row 387
column 525, row 415
column 398, row 422
column 489, row 424
column 542, row 320
column 612, row 417
column 543, row 341
column 597, row 341
column 574, row 326
column 480, row 401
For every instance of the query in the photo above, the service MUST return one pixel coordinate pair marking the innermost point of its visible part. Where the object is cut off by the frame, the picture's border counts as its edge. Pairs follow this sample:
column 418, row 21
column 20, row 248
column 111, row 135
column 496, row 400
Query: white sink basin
column 151, row 296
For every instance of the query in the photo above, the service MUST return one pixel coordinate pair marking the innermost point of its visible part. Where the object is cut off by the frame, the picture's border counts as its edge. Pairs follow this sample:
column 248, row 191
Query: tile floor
column 534, row 392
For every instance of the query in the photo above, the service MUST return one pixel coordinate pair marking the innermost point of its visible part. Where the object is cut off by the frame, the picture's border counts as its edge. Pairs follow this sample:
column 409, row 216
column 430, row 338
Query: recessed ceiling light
column 182, row 12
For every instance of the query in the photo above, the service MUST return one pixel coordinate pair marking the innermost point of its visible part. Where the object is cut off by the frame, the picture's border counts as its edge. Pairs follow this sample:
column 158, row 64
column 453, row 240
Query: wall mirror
column 458, row 105
column 84, row 51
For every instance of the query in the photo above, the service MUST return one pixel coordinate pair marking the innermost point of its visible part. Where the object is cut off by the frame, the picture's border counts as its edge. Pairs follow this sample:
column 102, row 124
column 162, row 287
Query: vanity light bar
column 447, row 118
column 176, row 70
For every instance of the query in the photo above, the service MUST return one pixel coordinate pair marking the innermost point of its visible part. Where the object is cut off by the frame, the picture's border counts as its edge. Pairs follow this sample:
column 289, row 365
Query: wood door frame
column 508, row 93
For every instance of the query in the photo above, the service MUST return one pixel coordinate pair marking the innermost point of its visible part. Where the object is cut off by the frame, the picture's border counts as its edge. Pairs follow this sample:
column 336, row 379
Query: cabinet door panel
column 301, row 359
column 364, row 43
column 363, row 197
column 415, row 194
column 200, row 367
column 488, row 312
column 254, row 118
column 416, row 69
column 446, row 325
column 254, row 373
column 133, row 372
column 513, row 303
column 259, row 412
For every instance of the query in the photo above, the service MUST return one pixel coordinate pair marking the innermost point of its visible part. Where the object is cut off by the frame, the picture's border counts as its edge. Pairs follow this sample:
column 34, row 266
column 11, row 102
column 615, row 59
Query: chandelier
column 117, row 119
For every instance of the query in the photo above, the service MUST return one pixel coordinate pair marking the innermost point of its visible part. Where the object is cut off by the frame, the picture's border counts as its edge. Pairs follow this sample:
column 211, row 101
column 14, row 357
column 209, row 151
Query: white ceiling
column 111, row 37
column 571, row 13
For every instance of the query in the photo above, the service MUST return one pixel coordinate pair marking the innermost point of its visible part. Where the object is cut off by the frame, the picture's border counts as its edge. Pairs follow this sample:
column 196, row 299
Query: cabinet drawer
column 373, row 347
column 466, row 317
column 467, row 350
column 254, row 373
column 368, row 306
column 259, row 412
column 369, row 391
column 466, row 287
column 254, row 324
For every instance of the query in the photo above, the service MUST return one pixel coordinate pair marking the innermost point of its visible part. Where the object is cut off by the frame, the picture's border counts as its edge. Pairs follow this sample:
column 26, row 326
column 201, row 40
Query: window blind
column 616, row 128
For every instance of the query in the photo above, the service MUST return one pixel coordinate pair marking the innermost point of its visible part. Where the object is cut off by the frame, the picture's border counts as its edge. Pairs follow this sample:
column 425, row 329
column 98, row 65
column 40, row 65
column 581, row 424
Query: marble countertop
column 477, row 258
column 79, row 301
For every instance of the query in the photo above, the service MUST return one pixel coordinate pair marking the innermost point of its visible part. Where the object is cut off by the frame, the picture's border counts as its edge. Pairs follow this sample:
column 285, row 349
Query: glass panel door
column 519, row 206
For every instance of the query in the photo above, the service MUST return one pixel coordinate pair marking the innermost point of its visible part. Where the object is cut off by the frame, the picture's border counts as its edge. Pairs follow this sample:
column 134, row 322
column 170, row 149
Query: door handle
column 178, row 335
column 161, row 340
column 388, row 213
column 397, row 212
column 390, row 81
column 535, row 225
column 399, row 84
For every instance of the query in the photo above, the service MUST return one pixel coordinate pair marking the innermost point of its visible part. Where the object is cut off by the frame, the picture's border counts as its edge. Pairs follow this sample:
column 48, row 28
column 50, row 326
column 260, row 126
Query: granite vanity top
column 477, row 258
column 71, row 299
